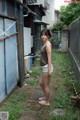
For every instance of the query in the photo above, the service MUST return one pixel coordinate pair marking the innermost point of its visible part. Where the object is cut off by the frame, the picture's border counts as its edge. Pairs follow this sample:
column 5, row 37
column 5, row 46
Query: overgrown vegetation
column 68, row 14
column 14, row 104
column 64, row 77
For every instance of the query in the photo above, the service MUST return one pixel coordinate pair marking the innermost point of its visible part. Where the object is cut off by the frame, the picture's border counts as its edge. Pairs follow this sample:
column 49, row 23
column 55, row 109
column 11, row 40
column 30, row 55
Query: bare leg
column 42, row 86
column 45, row 80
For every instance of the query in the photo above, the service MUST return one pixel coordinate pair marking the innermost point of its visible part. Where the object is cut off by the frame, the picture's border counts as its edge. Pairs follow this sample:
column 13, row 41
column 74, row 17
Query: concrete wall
column 64, row 41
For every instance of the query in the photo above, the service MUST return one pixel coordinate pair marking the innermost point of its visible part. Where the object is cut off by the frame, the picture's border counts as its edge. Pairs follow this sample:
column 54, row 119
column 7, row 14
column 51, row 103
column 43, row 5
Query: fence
column 74, row 45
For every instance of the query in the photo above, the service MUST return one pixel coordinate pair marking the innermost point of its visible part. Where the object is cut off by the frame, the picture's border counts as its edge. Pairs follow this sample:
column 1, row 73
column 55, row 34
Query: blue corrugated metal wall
column 8, row 58
column 2, row 65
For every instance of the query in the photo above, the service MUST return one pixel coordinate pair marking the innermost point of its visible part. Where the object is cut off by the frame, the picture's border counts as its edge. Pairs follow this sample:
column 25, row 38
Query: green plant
column 31, row 82
column 57, row 26
column 13, row 105
column 62, row 98
column 70, row 13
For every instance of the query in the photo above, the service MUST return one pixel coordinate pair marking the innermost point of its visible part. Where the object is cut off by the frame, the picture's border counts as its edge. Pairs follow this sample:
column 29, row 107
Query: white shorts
column 45, row 68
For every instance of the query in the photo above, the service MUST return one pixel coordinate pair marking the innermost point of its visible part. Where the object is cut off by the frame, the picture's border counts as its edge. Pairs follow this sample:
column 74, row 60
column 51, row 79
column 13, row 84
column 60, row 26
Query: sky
column 59, row 3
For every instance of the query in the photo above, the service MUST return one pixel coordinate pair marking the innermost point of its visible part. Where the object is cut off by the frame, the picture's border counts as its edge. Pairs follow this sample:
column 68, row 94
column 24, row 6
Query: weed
column 31, row 82
column 13, row 105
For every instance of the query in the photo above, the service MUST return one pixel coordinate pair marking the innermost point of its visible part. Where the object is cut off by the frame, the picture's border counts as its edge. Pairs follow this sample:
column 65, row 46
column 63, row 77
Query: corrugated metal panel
column 2, row 66
column 2, row 71
column 11, row 56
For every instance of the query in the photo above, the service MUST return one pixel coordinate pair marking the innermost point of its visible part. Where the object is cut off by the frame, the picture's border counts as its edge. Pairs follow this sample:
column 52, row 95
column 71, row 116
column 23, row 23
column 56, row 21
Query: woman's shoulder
column 48, row 44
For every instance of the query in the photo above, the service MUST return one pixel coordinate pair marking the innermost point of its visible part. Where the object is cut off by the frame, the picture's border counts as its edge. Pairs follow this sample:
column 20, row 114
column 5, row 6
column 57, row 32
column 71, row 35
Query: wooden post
column 20, row 54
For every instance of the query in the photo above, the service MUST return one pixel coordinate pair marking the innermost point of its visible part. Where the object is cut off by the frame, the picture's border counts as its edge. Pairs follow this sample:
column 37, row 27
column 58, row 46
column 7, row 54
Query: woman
column 46, row 66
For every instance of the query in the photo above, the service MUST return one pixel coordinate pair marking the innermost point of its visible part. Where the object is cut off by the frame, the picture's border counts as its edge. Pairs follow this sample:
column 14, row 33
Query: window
column 46, row 5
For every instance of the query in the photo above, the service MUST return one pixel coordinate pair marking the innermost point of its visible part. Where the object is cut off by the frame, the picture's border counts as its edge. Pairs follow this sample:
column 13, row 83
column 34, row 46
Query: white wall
column 49, row 18
column 40, row 2
column 27, row 41
column 52, row 16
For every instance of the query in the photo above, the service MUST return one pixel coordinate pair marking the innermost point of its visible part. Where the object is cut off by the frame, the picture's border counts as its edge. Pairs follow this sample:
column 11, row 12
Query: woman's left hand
column 49, row 72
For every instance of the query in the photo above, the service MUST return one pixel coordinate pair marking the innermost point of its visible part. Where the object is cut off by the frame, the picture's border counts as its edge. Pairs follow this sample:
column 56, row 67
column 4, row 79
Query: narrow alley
column 23, row 103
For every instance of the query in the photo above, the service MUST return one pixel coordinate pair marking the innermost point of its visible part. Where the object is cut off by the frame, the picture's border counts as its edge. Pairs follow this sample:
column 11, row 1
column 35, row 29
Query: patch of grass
column 13, row 105
column 35, row 73
column 31, row 82
column 69, row 114
column 36, row 69
column 63, row 79
column 62, row 98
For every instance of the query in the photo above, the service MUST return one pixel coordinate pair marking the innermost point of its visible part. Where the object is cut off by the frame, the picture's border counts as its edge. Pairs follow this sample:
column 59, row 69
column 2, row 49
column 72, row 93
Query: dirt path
column 32, row 110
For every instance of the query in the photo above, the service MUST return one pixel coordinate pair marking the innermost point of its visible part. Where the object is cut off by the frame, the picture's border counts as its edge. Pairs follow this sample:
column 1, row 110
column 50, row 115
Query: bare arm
column 48, row 49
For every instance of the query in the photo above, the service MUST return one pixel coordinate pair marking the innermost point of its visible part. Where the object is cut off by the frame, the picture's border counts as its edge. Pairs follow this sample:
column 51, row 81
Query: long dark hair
column 45, row 32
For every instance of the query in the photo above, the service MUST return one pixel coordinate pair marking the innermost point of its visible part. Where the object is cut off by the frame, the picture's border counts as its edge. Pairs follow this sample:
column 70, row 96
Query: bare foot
column 42, row 98
column 43, row 102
